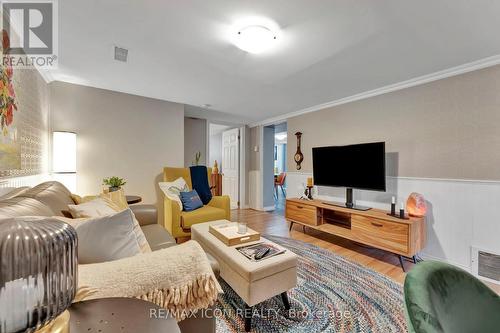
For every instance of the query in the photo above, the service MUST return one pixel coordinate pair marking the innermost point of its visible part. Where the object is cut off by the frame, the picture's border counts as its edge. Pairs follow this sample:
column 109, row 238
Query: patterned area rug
column 333, row 294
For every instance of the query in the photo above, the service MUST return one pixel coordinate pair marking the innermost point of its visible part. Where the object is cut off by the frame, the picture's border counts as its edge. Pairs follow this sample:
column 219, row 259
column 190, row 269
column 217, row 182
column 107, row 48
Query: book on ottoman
column 250, row 251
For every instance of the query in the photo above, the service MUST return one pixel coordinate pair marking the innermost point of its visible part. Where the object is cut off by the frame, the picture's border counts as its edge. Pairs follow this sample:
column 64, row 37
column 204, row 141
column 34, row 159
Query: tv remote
column 261, row 253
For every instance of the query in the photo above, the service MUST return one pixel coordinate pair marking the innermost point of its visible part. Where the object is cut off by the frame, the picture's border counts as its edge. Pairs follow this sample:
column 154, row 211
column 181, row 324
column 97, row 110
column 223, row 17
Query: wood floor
column 274, row 223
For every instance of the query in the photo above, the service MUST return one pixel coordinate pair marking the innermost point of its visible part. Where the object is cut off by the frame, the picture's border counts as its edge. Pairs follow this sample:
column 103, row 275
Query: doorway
column 274, row 167
column 224, row 150
column 280, row 166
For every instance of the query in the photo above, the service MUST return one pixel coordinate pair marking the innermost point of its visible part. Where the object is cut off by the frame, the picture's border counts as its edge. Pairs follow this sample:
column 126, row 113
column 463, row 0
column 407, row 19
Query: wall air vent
column 121, row 54
column 486, row 265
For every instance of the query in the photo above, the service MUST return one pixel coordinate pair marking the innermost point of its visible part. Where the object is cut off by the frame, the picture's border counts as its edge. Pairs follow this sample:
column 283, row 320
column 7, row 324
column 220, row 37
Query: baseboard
column 264, row 209
column 431, row 257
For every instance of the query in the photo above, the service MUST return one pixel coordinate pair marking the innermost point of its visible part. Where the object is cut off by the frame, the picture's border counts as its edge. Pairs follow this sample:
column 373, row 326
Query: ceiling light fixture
column 256, row 35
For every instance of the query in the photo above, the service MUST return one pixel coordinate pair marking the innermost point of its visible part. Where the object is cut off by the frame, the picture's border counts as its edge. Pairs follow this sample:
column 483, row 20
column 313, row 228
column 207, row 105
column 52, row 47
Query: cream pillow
column 103, row 207
column 106, row 238
column 172, row 189
column 94, row 208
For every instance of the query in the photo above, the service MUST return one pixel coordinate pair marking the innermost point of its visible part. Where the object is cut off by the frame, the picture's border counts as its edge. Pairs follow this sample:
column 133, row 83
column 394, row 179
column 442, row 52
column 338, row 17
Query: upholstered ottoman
column 254, row 282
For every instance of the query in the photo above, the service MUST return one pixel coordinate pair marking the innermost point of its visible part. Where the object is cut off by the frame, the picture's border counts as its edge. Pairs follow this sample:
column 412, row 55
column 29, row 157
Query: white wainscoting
column 461, row 213
column 24, row 181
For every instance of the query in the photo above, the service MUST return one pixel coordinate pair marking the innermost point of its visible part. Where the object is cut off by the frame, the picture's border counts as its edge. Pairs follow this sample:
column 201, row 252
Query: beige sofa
column 52, row 199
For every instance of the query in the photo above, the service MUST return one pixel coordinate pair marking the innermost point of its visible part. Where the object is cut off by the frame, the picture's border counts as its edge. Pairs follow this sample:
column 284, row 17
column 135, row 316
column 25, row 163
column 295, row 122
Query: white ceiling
column 179, row 50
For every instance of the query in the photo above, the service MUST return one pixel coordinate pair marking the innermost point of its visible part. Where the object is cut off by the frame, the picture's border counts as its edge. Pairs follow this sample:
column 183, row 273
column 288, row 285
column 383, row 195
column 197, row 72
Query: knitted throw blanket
column 178, row 279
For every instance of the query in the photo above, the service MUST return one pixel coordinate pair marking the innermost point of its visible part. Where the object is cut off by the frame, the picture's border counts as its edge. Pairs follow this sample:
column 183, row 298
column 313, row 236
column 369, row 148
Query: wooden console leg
column 291, row 225
column 247, row 315
column 401, row 263
column 286, row 302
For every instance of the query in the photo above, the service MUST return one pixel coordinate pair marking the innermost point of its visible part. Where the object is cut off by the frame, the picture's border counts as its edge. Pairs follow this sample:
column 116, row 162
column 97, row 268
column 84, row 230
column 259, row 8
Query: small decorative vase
column 215, row 169
column 38, row 275
column 114, row 188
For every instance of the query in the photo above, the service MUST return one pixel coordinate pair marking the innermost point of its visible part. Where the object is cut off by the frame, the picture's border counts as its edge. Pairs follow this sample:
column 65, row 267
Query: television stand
column 349, row 202
column 355, row 207
column 373, row 227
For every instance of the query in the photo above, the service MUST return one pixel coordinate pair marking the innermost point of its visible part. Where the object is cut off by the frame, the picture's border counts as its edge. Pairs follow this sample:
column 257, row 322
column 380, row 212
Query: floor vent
column 486, row 265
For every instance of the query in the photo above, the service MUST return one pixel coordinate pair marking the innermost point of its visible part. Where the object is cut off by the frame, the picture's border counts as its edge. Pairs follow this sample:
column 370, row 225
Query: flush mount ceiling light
column 256, row 35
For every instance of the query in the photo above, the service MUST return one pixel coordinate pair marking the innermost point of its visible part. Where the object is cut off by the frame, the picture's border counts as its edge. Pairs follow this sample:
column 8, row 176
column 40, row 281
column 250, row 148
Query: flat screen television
column 359, row 166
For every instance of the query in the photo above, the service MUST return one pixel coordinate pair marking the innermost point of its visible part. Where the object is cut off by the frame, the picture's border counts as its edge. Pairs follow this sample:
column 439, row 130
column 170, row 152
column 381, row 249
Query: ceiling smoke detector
column 121, row 54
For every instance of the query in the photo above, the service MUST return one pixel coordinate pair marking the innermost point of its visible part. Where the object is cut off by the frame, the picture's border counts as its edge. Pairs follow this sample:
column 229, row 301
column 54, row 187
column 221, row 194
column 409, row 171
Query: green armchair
column 443, row 298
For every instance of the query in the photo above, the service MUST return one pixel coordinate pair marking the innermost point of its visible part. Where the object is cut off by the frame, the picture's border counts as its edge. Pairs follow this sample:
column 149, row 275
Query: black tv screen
column 360, row 166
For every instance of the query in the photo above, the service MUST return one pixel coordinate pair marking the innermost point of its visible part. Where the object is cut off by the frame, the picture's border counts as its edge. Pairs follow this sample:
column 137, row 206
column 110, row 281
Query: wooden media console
column 373, row 227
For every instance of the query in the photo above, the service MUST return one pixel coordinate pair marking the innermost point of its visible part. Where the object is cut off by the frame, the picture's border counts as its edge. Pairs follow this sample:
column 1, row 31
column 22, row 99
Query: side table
column 120, row 315
column 133, row 199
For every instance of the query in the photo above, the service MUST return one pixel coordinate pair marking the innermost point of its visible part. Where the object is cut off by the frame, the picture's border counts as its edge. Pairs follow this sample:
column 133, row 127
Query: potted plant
column 114, row 183
column 197, row 158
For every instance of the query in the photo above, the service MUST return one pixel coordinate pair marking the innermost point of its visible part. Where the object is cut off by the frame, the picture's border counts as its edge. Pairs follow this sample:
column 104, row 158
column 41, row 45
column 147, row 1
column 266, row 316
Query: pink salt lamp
column 416, row 205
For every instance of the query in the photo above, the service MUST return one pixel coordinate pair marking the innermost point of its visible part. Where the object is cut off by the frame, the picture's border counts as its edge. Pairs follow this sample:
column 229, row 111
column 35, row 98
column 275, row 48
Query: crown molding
column 45, row 74
column 454, row 71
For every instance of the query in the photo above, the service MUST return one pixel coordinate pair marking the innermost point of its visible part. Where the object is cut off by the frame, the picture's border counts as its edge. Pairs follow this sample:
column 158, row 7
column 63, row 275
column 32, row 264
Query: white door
column 231, row 165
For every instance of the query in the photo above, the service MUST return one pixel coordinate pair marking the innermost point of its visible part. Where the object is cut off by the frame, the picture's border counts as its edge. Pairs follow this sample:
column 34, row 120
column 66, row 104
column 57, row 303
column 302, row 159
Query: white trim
column 454, row 180
column 261, row 167
column 462, row 69
column 243, row 171
column 45, row 74
column 431, row 257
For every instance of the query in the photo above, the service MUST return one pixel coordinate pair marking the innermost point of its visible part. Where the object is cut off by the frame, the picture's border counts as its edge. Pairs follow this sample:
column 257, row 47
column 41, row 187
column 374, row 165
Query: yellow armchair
column 178, row 222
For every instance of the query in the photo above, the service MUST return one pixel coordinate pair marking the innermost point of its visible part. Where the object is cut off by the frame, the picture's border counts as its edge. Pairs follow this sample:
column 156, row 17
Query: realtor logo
column 29, row 33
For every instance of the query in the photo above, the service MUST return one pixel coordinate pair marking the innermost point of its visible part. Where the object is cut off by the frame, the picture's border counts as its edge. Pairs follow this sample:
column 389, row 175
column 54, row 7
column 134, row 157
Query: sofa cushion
column 11, row 192
column 203, row 214
column 106, row 238
column 103, row 206
column 157, row 237
column 53, row 194
column 20, row 206
column 94, row 208
column 145, row 214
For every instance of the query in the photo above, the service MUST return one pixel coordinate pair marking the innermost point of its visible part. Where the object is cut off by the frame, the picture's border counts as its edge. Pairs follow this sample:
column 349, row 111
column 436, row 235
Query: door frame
column 244, row 168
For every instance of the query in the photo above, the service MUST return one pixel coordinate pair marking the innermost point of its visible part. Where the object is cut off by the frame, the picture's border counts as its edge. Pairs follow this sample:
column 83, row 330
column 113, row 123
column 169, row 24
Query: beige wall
column 195, row 140
column 444, row 129
column 254, row 142
column 119, row 134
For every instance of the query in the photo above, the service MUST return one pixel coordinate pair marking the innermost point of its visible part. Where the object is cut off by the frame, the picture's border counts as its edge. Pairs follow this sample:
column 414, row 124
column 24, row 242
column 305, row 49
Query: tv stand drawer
column 386, row 235
column 302, row 213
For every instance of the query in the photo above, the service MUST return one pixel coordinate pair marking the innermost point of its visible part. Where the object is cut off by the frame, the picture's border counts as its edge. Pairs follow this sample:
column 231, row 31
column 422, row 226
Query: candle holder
column 399, row 216
column 393, row 209
column 309, row 192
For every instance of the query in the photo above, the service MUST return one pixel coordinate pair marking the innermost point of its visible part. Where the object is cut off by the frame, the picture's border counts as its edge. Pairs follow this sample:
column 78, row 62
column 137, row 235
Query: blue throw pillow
column 190, row 200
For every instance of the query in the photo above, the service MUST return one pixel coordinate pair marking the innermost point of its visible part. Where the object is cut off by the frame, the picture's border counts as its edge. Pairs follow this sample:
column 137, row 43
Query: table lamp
column 38, row 274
